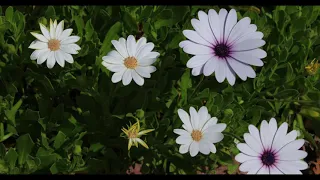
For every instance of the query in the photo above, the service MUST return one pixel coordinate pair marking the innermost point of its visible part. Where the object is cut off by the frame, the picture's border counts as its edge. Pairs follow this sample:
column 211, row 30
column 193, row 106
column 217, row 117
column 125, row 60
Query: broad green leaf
column 11, row 114
column 2, row 150
column 9, row 14
column 96, row 147
column 59, row 140
column 11, row 157
column 129, row 23
column 287, row 94
column 111, row 35
column 24, row 147
column 50, row 12
column 89, row 30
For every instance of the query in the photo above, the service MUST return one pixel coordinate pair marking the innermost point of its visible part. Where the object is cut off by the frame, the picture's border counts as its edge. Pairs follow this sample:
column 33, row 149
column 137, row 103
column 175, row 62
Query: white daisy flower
column 199, row 133
column 132, row 60
column 54, row 45
column 271, row 151
column 224, row 46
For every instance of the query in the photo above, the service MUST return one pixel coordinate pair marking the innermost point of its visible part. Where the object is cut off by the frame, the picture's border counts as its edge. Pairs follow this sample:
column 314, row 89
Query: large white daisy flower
column 224, row 46
column 199, row 133
column 132, row 60
column 54, row 45
column 271, row 151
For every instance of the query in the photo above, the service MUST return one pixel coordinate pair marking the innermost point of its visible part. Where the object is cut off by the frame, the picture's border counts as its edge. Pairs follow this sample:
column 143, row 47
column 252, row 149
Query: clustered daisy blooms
column 200, row 132
column 272, row 150
column 54, row 45
column 222, row 45
column 131, row 60
column 133, row 133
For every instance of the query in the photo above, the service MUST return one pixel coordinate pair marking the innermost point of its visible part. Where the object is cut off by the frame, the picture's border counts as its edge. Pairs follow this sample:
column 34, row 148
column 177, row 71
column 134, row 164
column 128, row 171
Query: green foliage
column 68, row 120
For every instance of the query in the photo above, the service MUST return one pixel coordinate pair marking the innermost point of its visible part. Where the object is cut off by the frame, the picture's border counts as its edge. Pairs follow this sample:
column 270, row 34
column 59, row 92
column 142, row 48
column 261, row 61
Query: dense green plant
column 69, row 120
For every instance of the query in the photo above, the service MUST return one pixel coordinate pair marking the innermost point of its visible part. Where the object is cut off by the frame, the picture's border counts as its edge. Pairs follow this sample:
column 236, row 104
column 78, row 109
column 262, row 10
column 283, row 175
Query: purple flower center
column 222, row 50
column 268, row 158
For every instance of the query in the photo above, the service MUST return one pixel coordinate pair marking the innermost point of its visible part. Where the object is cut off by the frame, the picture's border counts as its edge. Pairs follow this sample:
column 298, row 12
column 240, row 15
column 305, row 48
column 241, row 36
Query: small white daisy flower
column 54, row 45
column 199, row 133
column 132, row 60
column 271, row 151
column 224, row 46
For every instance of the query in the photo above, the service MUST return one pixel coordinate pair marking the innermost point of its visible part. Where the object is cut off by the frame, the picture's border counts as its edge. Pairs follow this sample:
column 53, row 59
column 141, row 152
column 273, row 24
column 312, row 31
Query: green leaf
column 146, row 13
column 129, row 23
column 185, row 84
column 80, row 24
column 298, row 25
column 9, row 14
column 96, row 147
column 11, row 114
column 89, row 30
column 287, row 93
column 50, row 12
column 11, row 157
column 111, row 35
column 57, row 114
column 59, row 140
column 2, row 150
column 43, row 80
column 24, row 147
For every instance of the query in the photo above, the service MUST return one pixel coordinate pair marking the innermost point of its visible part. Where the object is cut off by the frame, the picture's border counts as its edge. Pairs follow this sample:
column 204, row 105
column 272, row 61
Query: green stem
column 234, row 136
column 194, row 91
column 1, row 131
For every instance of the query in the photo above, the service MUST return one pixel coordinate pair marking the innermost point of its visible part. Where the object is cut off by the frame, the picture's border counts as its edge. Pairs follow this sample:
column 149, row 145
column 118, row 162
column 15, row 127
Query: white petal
column 131, row 45
column 113, row 67
column 120, row 47
column 250, row 165
column 203, row 29
column 70, row 39
column 222, row 22
column 67, row 57
column 244, row 148
column 43, row 56
column 273, row 127
column 220, row 70
column 115, row 55
column 145, row 71
column 230, row 23
column 194, row 148
column 184, row 43
column 51, row 61
column 197, row 71
column 213, row 137
column 204, row 20
column 197, row 49
column 204, row 147
column 244, row 32
column 65, row 34
column 252, row 143
column 52, row 30
column 239, row 29
column 137, row 78
column 68, row 49
column 184, row 116
column 74, row 46
column 293, row 145
column 246, row 57
column 194, row 118
column 40, row 37
column 254, row 132
column 274, row 170
column 214, row 23
column 292, row 155
column 112, row 60
column 145, row 61
column 210, row 66
column 181, row 132
column 59, row 29
column 213, row 148
column 217, row 127
column 242, row 158
column 45, row 31
column 116, row 77
column 300, row 165
column 55, row 24
column 290, row 167
column 255, row 169
column 198, row 60
column 264, row 170
column 185, row 139
column 291, row 136
column 144, row 50
column 209, row 123
column 203, row 114
column 59, row 58
column 279, row 136
column 36, row 53
column 195, row 37
column 127, row 77
column 241, row 69
column 38, row 45
column 248, row 45
column 266, row 139
column 231, row 75
column 184, row 148
column 141, row 42
column 250, row 35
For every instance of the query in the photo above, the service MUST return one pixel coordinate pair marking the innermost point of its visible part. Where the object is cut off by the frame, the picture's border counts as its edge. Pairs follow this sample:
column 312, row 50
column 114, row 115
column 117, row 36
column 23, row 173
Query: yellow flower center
column 132, row 134
column 196, row 135
column 54, row 44
column 131, row 62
